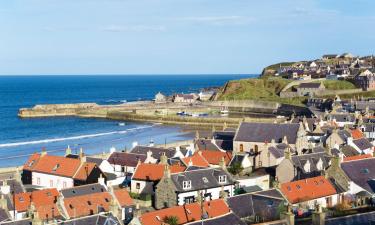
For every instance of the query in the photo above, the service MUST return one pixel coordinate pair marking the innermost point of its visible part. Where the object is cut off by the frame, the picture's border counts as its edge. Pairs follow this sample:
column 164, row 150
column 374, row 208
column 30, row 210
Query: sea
column 19, row 138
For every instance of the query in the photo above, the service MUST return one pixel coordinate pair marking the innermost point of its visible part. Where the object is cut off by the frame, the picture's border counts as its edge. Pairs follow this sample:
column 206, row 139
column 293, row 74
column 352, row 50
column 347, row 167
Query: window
column 51, row 183
column 256, row 149
column 138, row 185
column 241, row 147
column 38, row 180
column 189, row 199
column 222, row 179
column 208, row 196
column 205, row 180
column 55, row 167
column 64, row 184
column 130, row 210
column 186, row 184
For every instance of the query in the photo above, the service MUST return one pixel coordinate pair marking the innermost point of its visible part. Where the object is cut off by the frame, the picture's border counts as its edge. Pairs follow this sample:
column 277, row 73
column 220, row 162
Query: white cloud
column 134, row 28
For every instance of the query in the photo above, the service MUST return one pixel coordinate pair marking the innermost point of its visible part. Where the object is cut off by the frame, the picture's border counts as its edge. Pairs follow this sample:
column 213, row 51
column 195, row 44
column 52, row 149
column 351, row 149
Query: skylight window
column 205, row 180
column 56, row 167
column 31, row 163
column 365, row 171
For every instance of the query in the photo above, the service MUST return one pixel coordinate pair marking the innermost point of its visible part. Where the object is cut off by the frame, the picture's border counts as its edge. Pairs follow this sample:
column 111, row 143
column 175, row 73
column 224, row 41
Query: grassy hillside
column 258, row 89
column 338, row 85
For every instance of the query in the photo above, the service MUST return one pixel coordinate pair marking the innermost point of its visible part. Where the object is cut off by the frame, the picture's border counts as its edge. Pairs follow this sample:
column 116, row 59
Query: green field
column 258, row 89
column 338, row 85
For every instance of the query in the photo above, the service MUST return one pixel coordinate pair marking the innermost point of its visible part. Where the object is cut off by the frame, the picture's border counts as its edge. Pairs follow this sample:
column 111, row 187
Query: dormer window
column 55, row 167
column 186, row 184
column 222, row 179
column 205, row 180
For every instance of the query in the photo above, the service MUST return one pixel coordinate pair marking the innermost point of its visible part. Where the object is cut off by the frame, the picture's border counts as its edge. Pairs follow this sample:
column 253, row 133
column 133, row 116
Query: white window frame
column 186, row 184
column 222, row 179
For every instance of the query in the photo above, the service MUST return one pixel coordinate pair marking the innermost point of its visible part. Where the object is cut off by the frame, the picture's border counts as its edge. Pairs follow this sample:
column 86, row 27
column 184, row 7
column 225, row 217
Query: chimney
column 3, row 203
column 287, row 153
column 223, row 194
column 44, row 152
column 197, row 135
column 68, row 151
column 285, row 140
column 318, row 216
column 101, row 180
column 225, row 126
column 167, row 171
column 163, row 159
column 81, row 154
column 222, row 163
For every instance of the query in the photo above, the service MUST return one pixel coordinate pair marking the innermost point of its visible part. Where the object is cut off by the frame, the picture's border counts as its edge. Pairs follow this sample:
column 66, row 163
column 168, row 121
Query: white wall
column 145, row 187
column 215, row 193
column 45, row 181
column 106, row 167
column 262, row 181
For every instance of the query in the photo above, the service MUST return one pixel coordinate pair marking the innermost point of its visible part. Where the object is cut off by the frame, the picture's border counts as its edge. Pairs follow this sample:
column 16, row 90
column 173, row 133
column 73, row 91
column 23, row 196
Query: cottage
column 257, row 138
column 59, row 172
column 124, row 163
column 184, row 188
column 310, row 89
column 146, row 176
column 185, row 98
column 365, row 80
column 154, row 153
column 160, row 98
column 309, row 192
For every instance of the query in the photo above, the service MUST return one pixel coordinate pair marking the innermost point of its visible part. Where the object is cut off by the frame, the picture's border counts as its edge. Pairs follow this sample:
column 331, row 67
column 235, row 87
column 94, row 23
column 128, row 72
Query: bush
column 145, row 197
column 235, row 169
column 171, row 220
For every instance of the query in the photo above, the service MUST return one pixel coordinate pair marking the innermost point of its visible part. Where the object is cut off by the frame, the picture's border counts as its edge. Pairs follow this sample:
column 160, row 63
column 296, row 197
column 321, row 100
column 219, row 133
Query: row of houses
column 185, row 98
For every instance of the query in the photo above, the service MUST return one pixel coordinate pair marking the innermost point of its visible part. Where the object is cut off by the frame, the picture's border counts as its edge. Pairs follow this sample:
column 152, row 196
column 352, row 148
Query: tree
column 236, row 168
column 171, row 220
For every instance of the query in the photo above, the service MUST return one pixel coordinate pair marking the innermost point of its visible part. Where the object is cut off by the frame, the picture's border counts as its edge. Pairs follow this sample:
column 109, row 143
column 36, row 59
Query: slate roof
column 361, row 172
column 156, row 152
column 224, row 135
column 197, row 179
column 238, row 158
column 265, row 132
column 278, row 150
column 299, row 161
column 256, row 203
column 369, row 127
column 126, row 158
column 206, row 144
column 349, row 151
column 309, row 85
column 363, row 143
column 95, row 160
column 356, row 219
column 341, row 117
column 230, row 218
column 98, row 219
column 4, row 216
column 82, row 190
column 19, row 222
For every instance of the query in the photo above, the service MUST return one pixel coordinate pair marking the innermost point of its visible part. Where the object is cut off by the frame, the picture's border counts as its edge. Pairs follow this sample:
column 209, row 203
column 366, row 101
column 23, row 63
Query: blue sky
column 177, row 36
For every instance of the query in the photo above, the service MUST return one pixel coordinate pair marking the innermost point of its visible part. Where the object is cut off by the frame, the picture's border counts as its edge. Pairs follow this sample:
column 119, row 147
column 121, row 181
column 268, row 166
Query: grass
column 265, row 89
column 338, row 85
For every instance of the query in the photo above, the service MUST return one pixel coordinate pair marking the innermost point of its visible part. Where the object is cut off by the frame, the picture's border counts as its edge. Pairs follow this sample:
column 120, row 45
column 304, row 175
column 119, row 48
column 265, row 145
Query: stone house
column 310, row 89
column 365, row 80
column 187, row 187
column 298, row 167
column 185, row 98
column 257, row 138
column 160, row 98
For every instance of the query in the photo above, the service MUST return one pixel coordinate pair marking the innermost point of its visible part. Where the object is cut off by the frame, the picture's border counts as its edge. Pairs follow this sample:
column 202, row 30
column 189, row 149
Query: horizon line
column 136, row 74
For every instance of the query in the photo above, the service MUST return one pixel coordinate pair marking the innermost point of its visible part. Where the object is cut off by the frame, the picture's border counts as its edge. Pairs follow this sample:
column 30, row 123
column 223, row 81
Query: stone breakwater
column 159, row 113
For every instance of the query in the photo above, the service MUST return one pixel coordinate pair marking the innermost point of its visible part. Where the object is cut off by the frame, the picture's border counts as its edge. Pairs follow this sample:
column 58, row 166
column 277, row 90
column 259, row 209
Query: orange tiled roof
column 85, row 205
column 307, row 189
column 44, row 201
column 356, row 157
column 186, row 213
column 356, row 134
column 214, row 157
column 196, row 160
column 123, row 197
column 58, row 165
column 84, row 171
column 154, row 172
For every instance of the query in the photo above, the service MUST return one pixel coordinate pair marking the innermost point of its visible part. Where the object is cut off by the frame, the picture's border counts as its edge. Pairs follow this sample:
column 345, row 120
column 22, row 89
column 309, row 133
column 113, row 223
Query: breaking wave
column 74, row 137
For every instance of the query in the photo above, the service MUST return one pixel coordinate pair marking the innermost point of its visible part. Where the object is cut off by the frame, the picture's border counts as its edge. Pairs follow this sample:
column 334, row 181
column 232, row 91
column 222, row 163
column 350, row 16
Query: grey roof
column 362, row 143
column 15, row 186
column 341, row 117
column 362, row 105
column 18, row 222
column 309, row 85
column 98, row 219
column 300, row 160
column 265, row 132
column 369, row 127
column 95, row 160
column 82, row 190
column 126, row 158
column 361, row 172
column 230, row 218
column 256, row 203
column 356, row 219
column 156, row 152
column 206, row 144
column 348, row 150
column 197, row 179
column 344, row 134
